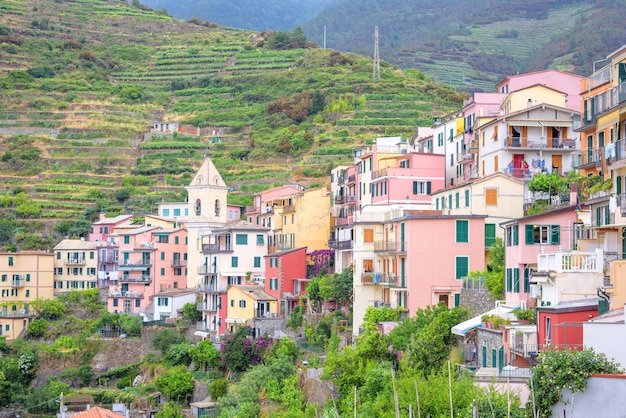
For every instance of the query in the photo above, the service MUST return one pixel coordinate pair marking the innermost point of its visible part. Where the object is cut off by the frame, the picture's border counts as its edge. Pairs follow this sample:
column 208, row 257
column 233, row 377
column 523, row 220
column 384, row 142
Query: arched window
column 217, row 207
column 198, row 207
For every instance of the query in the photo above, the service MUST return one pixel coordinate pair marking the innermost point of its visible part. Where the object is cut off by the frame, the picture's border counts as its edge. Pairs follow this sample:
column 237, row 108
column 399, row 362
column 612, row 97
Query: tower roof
column 208, row 175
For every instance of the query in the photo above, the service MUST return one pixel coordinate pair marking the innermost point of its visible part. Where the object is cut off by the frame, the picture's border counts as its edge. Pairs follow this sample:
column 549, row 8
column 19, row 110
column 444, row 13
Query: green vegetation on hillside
column 84, row 81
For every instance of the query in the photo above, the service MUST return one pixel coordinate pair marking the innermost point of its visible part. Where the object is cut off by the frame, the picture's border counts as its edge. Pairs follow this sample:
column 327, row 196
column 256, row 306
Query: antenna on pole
column 376, row 71
column 324, row 37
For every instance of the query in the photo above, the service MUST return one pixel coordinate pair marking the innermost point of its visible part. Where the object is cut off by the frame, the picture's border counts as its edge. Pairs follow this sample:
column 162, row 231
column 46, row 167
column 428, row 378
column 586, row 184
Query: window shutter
column 526, row 281
column 414, row 187
column 515, row 234
column 530, row 234
column 462, row 267
column 555, row 234
column 457, row 299
column 428, row 187
column 509, row 279
column 516, row 280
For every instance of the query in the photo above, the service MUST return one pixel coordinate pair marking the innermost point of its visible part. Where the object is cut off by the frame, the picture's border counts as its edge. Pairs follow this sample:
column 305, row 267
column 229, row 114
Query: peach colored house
column 25, row 276
column 412, row 259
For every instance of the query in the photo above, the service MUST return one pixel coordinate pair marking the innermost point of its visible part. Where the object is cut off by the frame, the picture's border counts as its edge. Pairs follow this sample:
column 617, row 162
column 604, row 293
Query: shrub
column 37, row 328
column 218, row 388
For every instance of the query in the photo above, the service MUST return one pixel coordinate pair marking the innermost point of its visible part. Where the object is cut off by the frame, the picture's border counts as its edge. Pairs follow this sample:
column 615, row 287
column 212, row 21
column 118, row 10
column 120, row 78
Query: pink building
column 105, row 226
column 526, row 238
column 567, row 83
column 152, row 259
column 440, row 252
column 409, row 178
column 286, row 278
column 411, row 259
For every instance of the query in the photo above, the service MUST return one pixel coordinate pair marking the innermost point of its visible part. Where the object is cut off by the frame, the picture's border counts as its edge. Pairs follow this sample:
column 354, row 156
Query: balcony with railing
column 125, row 294
column 571, row 262
column 20, row 313
column 135, row 265
column 144, row 278
column 211, row 288
column 143, row 247
column 108, row 258
column 588, row 158
column 340, row 199
column 207, row 270
column 18, row 282
column 389, row 279
column 351, row 179
column 217, row 248
column 289, row 208
column 208, row 306
column 396, row 172
column 75, row 261
column 178, row 262
column 389, row 247
column 561, row 144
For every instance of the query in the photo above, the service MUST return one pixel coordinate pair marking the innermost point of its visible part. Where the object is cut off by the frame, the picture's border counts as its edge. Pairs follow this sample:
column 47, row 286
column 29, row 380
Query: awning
column 475, row 322
column 231, row 320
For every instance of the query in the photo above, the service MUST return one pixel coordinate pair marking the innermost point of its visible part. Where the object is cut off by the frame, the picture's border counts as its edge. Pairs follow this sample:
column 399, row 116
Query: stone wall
column 477, row 300
column 491, row 339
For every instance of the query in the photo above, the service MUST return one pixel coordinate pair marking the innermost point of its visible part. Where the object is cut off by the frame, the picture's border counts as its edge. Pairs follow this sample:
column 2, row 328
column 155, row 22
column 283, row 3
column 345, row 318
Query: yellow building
column 248, row 304
column 75, row 265
column 305, row 223
column 25, row 276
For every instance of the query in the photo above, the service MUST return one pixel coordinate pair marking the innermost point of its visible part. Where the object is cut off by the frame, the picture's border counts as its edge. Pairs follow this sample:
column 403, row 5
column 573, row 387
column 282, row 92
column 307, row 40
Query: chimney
column 102, row 216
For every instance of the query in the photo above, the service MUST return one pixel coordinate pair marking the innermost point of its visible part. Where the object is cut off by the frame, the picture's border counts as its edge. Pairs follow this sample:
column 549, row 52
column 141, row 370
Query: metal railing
column 125, row 294
column 571, row 261
column 379, row 278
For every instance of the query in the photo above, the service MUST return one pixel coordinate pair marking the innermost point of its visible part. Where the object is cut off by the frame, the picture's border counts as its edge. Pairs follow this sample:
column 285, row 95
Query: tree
column 551, row 184
column 178, row 354
column 559, row 369
column 176, row 383
column 170, row 410
column 50, row 309
column 205, row 355
column 164, row 338
column 191, row 314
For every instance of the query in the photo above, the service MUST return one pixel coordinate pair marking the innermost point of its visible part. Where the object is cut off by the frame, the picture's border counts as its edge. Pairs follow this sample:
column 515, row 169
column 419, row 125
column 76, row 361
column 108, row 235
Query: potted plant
column 525, row 316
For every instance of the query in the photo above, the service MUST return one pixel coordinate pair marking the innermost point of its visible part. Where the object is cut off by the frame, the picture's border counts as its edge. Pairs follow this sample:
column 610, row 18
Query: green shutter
column 516, row 280
column 555, row 234
column 618, row 184
column 530, row 234
column 257, row 261
column 467, row 198
column 515, row 234
column 526, row 280
column 241, row 239
column 490, row 234
column 428, row 187
column 509, row 280
column 462, row 267
column 462, row 234
column 457, row 299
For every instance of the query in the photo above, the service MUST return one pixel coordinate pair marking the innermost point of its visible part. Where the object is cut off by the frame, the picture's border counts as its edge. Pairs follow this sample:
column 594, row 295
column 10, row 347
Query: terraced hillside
column 83, row 81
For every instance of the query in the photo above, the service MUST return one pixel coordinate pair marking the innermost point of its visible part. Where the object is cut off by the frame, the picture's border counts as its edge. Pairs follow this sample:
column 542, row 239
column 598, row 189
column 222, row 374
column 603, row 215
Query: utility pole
column 376, row 71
